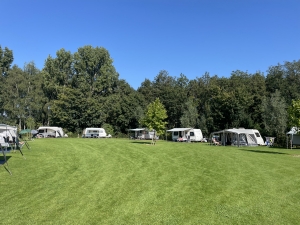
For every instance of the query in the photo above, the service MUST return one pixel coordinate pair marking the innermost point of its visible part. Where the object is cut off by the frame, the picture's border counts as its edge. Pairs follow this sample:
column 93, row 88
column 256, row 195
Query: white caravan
column 192, row 134
column 92, row 132
column 50, row 132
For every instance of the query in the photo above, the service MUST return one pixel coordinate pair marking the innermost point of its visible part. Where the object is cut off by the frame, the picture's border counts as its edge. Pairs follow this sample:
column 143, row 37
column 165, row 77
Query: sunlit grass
column 120, row 181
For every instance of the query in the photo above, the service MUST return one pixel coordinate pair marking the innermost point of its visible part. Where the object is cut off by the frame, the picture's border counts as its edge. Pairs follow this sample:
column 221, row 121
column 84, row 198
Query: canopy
column 293, row 131
column 25, row 131
column 233, row 130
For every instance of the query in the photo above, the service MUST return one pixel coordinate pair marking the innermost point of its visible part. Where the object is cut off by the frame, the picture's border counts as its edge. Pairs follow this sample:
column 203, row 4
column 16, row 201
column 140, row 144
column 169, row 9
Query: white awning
column 179, row 129
column 137, row 129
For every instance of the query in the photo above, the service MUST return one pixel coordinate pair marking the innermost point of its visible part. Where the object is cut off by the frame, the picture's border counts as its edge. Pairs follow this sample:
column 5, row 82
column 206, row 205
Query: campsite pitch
column 121, row 181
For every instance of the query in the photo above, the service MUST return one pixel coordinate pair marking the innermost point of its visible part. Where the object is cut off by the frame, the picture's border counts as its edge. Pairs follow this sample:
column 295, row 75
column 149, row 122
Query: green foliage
column 286, row 79
column 95, row 74
column 30, row 123
column 294, row 113
column 155, row 117
column 6, row 59
column 123, row 107
column 108, row 129
column 274, row 114
column 171, row 91
column 190, row 115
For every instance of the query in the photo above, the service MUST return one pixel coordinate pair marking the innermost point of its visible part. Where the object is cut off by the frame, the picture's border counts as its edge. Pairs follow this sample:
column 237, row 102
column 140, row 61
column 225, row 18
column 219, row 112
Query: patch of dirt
column 296, row 156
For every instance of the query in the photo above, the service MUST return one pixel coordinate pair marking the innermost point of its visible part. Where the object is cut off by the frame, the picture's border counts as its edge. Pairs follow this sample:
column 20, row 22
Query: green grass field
column 121, row 181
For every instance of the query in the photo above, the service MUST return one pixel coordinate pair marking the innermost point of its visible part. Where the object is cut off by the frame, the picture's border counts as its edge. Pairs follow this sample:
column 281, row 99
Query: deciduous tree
column 155, row 117
column 274, row 114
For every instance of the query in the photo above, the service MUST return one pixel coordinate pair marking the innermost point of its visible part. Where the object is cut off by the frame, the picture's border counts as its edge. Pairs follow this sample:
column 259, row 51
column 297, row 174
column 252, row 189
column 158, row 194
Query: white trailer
column 92, row 132
column 50, row 132
column 186, row 134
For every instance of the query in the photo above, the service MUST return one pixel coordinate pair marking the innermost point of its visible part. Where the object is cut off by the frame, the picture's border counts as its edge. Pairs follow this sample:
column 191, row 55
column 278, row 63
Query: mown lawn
column 120, row 181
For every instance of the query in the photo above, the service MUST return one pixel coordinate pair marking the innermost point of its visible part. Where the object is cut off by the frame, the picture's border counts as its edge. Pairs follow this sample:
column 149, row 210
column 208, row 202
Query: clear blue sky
column 145, row 36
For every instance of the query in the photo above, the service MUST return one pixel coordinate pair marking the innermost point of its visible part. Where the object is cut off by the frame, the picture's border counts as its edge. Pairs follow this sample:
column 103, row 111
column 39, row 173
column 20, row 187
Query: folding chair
column 215, row 142
column 19, row 145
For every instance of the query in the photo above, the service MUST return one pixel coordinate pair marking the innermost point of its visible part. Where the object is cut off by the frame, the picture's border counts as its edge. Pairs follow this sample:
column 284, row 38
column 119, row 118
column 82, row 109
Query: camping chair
column 271, row 141
column 215, row 142
column 19, row 145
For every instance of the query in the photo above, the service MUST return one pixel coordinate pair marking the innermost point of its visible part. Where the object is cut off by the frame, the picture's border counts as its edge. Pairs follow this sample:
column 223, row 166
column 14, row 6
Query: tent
column 239, row 137
column 8, row 140
column 26, row 131
column 8, row 132
column 34, row 131
column 143, row 133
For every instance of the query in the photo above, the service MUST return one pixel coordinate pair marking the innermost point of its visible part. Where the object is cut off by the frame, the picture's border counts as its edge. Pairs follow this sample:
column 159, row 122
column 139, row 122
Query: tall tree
column 170, row 90
column 274, row 114
column 58, row 73
column 77, row 86
column 190, row 115
column 155, row 117
column 123, row 107
column 15, row 96
column 6, row 59
column 35, row 98
column 95, row 73
column 294, row 114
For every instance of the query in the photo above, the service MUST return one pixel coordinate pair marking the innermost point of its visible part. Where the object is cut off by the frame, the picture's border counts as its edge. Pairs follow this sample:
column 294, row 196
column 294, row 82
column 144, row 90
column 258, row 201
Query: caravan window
column 257, row 134
column 175, row 133
column 93, row 131
column 41, row 131
column 192, row 134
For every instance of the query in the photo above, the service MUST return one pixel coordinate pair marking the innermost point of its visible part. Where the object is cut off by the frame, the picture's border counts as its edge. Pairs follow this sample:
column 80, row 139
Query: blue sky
column 145, row 36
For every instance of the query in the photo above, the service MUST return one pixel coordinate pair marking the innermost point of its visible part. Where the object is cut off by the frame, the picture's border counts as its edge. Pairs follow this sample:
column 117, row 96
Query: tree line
column 80, row 90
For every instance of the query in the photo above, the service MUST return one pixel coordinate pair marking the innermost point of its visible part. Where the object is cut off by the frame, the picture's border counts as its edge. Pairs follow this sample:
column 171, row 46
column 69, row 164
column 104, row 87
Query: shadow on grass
column 2, row 160
column 268, row 152
column 4, row 164
column 141, row 142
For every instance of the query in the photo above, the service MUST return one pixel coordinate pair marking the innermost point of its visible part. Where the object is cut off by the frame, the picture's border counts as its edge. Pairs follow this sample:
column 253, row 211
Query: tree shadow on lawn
column 268, row 152
column 141, row 142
